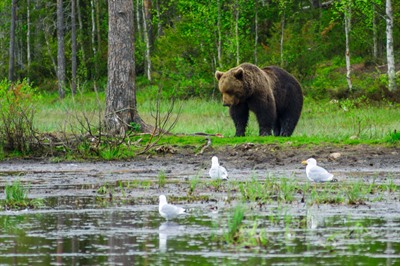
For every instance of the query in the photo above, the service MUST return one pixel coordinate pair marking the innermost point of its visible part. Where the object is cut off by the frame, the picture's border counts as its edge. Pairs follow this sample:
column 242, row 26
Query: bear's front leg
column 266, row 118
column 240, row 116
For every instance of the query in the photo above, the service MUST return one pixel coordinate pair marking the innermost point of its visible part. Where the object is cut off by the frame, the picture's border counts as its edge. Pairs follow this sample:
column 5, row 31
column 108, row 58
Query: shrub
column 17, row 111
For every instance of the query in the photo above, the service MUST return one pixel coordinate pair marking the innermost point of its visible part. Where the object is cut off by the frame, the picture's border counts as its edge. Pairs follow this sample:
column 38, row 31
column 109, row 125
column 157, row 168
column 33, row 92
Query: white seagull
column 316, row 173
column 169, row 211
column 217, row 171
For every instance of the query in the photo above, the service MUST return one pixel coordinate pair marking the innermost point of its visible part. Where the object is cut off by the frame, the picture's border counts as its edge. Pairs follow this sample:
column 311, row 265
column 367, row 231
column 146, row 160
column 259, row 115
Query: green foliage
column 193, row 184
column 16, row 194
column 280, row 189
column 16, row 197
column 162, row 179
column 17, row 112
column 235, row 221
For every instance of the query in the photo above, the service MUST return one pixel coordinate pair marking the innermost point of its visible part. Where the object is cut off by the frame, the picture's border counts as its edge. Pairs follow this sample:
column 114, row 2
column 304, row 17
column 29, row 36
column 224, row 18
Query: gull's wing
column 319, row 174
column 171, row 210
column 223, row 174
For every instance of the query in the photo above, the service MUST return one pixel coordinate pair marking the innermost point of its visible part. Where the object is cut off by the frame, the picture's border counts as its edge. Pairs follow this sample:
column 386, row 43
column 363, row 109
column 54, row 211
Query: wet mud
column 106, row 213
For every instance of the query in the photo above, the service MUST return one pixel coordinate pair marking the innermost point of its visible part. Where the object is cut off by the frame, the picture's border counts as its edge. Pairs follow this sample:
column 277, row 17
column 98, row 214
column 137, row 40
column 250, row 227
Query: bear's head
column 232, row 86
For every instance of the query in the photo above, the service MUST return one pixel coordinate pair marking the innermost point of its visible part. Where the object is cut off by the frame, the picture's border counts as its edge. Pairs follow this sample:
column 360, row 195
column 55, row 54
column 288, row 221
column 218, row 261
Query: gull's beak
column 304, row 162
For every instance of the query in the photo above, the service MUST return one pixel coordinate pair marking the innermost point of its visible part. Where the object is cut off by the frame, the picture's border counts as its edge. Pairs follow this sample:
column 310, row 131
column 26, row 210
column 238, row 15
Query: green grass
column 162, row 179
column 356, row 120
column 235, row 221
column 16, row 197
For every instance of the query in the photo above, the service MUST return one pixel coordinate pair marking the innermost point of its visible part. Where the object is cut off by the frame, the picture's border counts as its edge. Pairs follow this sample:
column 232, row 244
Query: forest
column 335, row 48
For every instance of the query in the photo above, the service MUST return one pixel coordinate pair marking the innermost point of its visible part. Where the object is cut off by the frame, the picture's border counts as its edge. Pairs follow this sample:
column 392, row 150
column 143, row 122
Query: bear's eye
column 229, row 91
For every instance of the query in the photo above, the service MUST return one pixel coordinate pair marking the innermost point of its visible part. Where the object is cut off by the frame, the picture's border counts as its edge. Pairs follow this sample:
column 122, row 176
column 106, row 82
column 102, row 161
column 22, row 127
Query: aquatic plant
column 287, row 190
column 193, row 184
column 234, row 224
column 162, row 179
column 103, row 189
column 391, row 186
column 216, row 184
column 16, row 197
column 356, row 194
column 16, row 194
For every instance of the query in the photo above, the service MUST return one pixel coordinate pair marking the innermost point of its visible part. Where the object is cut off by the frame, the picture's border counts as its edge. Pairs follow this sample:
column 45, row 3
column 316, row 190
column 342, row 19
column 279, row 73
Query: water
column 128, row 235
column 79, row 226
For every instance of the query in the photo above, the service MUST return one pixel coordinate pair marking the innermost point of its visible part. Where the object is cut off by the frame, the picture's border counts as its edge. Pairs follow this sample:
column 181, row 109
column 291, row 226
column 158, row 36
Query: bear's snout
column 226, row 104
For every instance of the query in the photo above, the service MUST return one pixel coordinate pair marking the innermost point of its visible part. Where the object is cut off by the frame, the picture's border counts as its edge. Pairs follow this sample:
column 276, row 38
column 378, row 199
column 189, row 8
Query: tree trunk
column 256, row 31
column 282, row 36
column 219, row 45
column 139, row 8
column 237, row 31
column 121, row 110
column 28, row 37
column 98, row 31
column 73, row 47
column 347, row 29
column 48, row 46
column 11, row 62
column 389, row 47
column 374, row 34
column 159, row 24
column 147, row 31
column 61, row 50
column 94, row 76
column 80, row 38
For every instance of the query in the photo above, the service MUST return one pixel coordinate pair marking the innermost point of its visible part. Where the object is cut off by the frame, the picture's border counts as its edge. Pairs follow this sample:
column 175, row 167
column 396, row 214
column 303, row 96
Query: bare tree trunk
column 389, row 47
column 98, row 26
column 94, row 77
column 219, row 46
column 121, row 109
column 159, row 24
column 73, row 47
column 11, row 62
column 61, row 50
column 139, row 7
column 374, row 33
column 80, row 36
column 28, row 37
column 147, row 35
column 46, row 38
column 347, row 29
column 282, row 36
column 256, row 30
column 237, row 31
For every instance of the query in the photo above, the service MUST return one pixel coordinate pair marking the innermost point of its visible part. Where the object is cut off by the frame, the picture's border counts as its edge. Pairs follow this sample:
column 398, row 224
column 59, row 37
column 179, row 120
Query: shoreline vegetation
column 38, row 123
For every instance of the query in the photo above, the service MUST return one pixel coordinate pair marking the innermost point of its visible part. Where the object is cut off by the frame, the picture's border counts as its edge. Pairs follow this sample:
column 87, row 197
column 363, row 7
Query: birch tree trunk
column 256, row 31
column 159, row 24
column 374, row 33
column 11, row 61
column 237, row 32
column 147, row 31
column 347, row 29
column 139, row 7
column 61, row 50
column 121, row 109
column 389, row 47
column 28, row 36
column 219, row 44
column 73, row 47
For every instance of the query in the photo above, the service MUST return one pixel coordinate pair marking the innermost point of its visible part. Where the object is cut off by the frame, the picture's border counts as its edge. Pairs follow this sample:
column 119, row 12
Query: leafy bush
column 17, row 111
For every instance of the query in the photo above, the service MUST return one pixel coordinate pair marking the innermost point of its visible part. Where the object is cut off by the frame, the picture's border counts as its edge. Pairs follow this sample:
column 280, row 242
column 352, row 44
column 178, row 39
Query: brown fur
column 269, row 93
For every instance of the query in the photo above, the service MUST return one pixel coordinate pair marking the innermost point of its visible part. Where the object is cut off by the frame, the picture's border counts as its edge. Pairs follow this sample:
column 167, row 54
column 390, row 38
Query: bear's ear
column 218, row 74
column 238, row 73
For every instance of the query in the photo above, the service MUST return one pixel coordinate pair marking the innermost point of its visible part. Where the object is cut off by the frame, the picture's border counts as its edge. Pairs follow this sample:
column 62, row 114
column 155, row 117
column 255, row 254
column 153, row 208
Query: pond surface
column 80, row 226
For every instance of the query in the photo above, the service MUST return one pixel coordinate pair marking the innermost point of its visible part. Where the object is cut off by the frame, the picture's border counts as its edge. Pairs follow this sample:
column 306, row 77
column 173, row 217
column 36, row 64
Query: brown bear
column 273, row 94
